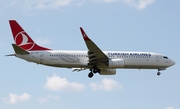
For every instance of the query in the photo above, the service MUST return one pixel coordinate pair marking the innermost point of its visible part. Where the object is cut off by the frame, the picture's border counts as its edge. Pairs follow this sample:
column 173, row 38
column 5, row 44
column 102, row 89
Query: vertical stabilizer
column 22, row 39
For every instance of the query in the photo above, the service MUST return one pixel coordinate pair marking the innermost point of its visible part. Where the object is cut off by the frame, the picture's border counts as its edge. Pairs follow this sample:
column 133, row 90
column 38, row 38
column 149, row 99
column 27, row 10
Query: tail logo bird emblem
column 22, row 40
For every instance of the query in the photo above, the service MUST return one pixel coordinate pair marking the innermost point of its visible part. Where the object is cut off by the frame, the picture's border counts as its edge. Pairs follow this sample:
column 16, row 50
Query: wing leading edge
column 96, row 56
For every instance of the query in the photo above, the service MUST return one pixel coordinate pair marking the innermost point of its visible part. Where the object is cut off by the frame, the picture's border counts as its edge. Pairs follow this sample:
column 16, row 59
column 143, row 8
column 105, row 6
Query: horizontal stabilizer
column 19, row 50
column 11, row 55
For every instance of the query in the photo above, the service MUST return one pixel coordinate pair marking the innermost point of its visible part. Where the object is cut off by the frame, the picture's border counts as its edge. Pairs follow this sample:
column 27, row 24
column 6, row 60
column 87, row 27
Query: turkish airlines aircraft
column 98, row 61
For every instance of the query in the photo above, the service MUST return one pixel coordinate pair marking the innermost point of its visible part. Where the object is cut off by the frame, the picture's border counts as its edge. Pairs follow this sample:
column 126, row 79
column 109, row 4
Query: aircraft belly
column 67, row 66
column 142, row 67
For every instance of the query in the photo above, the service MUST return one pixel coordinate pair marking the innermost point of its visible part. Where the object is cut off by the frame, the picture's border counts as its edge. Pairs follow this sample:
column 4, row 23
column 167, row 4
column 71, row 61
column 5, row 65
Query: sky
column 117, row 25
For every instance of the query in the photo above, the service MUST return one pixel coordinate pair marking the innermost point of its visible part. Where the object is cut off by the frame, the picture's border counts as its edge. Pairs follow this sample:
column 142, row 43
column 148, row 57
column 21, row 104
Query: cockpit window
column 165, row 57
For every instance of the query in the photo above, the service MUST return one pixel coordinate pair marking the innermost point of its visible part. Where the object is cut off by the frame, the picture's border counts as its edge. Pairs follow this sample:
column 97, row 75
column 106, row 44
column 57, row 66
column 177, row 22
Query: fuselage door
column 41, row 57
column 157, row 58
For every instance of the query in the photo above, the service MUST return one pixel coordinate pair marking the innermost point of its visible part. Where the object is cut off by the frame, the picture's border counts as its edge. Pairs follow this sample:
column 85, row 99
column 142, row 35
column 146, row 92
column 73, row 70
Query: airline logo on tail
column 22, row 39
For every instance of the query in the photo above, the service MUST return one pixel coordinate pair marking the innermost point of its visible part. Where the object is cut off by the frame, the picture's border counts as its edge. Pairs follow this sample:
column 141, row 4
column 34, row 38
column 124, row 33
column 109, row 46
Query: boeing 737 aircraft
column 94, row 59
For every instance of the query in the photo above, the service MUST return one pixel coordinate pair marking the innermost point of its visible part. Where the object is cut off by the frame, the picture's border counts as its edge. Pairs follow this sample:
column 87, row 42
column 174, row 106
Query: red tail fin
column 22, row 39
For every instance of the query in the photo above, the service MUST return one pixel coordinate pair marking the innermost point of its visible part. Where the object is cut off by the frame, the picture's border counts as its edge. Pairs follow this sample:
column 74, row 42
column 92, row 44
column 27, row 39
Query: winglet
column 19, row 50
column 86, row 38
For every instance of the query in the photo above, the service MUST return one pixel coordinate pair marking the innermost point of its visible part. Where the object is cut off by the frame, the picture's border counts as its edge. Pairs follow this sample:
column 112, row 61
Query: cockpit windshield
column 165, row 57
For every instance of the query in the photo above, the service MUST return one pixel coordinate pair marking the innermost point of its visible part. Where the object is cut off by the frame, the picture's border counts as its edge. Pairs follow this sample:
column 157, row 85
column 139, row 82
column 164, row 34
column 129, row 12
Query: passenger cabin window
column 165, row 57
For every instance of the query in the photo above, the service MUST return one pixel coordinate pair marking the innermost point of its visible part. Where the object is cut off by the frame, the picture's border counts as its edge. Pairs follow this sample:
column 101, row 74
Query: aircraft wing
column 96, row 56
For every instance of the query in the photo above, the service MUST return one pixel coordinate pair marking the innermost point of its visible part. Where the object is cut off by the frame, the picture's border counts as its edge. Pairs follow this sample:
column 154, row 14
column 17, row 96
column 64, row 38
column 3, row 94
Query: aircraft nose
column 172, row 63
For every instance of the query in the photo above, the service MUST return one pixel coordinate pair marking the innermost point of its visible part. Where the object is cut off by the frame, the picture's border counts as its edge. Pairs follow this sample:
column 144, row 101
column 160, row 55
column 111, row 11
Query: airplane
column 94, row 59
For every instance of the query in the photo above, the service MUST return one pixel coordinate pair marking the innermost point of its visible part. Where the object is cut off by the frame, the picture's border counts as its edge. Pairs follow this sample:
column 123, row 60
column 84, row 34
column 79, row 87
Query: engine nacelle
column 116, row 63
column 107, row 71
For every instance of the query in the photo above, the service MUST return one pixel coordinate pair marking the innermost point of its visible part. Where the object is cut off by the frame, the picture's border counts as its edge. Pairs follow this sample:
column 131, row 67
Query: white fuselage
column 79, row 59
